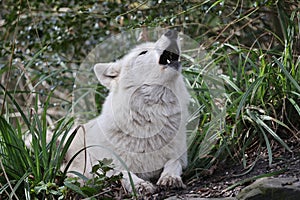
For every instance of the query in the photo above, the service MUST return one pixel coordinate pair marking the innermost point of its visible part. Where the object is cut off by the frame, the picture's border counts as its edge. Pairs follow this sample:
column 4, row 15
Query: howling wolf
column 142, row 124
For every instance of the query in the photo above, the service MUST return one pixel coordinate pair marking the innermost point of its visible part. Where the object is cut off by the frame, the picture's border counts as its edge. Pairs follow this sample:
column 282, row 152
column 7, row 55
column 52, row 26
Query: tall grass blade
column 29, row 64
column 20, row 110
column 18, row 184
column 269, row 149
column 242, row 103
column 287, row 74
column 231, row 83
column 267, row 128
column 296, row 106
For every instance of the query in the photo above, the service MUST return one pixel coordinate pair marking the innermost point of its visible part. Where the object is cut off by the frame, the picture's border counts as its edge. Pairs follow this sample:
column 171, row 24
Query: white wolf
column 143, row 118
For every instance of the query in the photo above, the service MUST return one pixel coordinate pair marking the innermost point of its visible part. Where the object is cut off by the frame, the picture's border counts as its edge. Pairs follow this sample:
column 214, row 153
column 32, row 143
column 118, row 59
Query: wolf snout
column 171, row 34
column 170, row 55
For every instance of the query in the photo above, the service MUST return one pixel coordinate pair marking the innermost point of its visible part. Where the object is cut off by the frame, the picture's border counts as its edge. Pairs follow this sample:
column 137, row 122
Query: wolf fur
column 142, row 120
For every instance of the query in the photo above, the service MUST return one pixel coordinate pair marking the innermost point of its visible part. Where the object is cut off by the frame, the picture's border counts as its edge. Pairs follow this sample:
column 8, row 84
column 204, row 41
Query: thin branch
column 7, row 179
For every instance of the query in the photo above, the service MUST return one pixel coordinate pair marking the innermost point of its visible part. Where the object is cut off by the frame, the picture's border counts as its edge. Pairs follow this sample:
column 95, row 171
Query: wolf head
column 148, row 63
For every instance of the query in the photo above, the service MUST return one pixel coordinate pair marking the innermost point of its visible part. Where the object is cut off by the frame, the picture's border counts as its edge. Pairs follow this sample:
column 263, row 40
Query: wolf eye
column 143, row 52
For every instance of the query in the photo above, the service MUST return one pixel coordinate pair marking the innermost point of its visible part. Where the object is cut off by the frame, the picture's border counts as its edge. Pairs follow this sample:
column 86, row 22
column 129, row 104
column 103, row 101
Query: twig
column 10, row 65
column 7, row 179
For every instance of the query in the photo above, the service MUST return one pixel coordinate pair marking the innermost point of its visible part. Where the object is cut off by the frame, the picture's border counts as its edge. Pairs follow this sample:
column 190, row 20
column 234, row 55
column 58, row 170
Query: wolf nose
column 171, row 34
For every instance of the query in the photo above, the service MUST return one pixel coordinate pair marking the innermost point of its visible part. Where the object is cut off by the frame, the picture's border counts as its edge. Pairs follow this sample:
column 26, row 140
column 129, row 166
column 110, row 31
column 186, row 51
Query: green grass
column 34, row 171
column 261, row 101
column 28, row 167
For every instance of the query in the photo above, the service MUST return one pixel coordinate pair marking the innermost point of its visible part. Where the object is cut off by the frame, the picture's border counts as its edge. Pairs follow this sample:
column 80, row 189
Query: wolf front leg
column 141, row 186
column 171, row 175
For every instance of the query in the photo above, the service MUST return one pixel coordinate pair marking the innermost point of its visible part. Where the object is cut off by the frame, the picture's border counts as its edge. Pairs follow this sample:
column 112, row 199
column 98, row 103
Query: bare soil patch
column 230, row 178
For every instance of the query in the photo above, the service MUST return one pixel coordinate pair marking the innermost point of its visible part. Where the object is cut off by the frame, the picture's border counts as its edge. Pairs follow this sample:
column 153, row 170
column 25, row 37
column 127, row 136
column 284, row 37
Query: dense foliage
column 256, row 45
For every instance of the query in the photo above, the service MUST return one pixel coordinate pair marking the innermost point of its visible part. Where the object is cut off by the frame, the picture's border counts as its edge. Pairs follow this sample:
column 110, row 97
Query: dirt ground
column 229, row 178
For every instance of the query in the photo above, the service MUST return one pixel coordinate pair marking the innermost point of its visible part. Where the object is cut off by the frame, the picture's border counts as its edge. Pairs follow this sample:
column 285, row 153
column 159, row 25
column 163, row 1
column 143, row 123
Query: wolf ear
column 106, row 73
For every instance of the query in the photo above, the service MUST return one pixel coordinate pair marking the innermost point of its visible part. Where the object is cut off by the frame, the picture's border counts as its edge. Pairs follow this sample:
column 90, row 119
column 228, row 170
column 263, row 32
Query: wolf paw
column 171, row 181
column 145, row 188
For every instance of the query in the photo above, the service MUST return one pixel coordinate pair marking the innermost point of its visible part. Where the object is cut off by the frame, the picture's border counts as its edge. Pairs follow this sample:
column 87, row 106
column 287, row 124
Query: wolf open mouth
column 170, row 56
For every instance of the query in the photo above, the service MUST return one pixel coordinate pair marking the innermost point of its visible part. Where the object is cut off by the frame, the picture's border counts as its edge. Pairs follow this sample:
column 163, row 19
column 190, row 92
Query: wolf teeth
column 168, row 61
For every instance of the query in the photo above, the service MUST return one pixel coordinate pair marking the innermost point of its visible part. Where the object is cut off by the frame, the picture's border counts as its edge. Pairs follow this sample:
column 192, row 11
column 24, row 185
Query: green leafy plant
column 102, row 185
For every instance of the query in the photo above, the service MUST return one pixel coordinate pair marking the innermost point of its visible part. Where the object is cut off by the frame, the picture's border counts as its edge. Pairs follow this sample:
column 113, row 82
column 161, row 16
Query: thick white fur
column 142, row 121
